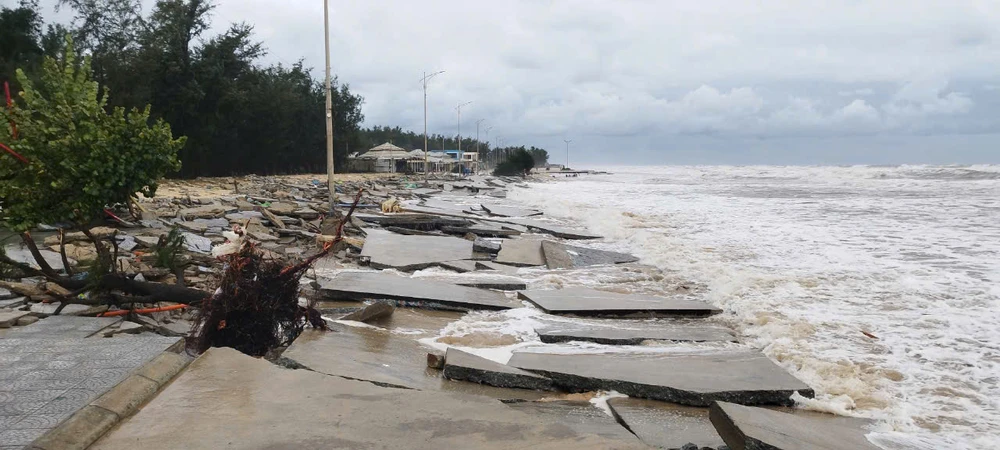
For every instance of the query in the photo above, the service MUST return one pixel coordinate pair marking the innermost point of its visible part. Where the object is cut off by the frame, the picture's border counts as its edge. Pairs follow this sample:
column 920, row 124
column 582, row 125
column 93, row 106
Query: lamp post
column 478, row 122
column 459, row 109
column 329, row 109
column 567, row 152
column 488, row 140
column 424, row 81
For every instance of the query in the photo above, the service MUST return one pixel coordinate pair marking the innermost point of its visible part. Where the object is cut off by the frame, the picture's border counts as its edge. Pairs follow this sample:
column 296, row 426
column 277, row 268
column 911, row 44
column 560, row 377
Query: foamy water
column 805, row 261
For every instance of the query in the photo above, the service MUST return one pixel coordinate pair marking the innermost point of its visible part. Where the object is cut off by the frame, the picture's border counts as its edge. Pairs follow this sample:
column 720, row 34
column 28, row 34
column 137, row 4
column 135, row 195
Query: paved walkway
column 51, row 369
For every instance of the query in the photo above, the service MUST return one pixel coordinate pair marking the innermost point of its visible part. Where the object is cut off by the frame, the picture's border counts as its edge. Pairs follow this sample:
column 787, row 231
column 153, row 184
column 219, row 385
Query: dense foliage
column 518, row 163
column 239, row 116
column 74, row 157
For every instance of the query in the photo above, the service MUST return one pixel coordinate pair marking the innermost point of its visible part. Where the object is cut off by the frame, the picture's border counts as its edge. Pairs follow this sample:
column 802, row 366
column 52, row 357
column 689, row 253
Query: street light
column 567, row 152
column 488, row 140
column 424, row 81
column 477, row 139
column 459, row 109
column 329, row 108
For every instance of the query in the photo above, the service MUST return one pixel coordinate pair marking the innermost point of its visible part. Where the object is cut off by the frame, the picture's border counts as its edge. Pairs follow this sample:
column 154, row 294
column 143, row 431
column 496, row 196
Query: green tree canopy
column 81, row 158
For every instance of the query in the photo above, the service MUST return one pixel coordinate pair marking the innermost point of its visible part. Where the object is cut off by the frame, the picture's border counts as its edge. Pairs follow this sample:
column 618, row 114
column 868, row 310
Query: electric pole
column 329, row 110
column 424, row 81
column 477, row 140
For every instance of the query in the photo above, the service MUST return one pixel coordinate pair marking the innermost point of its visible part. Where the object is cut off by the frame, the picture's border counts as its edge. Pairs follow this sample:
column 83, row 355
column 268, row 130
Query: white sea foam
column 804, row 260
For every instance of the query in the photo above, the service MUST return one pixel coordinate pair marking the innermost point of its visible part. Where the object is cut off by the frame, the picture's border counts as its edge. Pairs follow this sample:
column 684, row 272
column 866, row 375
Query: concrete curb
column 91, row 422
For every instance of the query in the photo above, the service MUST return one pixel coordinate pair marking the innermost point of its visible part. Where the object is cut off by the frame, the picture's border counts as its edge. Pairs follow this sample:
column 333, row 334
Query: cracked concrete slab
column 326, row 412
column 412, row 292
column 746, row 377
column 590, row 302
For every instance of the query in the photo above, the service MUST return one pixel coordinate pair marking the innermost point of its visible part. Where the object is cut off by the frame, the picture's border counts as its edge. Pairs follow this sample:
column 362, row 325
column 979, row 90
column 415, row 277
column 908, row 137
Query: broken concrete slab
column 6, row 294
column 205, row 212
column 22, row 255
column 13, row 302
column 383, row 358
column 590, row 302
column 413, row 221
column 485, row 246
column 459, row 365
column 371, row 312
column 580, row 415
column 461, row 266
column 196, row 243
column 410, row 291
column 498, row 282
column 492, row 266
column 554, row 230
column 746, row 377
column 481, row 229
column 364, row 415
column 503, row 211
column 744, row 427
column 9, row 318
column 562, row 256
column 666, row 425
column 147, row 241
column 521, row 253
column 387, row 250
column 619, row 335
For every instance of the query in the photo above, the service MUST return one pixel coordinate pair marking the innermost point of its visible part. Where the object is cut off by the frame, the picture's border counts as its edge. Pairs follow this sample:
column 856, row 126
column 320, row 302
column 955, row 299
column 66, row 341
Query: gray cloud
column 669, row 81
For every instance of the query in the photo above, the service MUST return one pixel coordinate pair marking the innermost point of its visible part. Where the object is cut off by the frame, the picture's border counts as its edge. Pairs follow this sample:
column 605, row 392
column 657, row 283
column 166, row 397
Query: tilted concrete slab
column 745, row 427
column 277, row 408
column 503, row 211
column 554, row 230
column 482, row 279
column 395, row 251
column 459, row 365
column 412, row 292
column 562, row 256
column 415, row 221
column 589, row 302
column 482, row 230
column 521, row 253
column 666, row 425
column 492, row 266
column 619, row 335
column 581, row 416
column 384, row 358
column 461, row 266
column 690, row 379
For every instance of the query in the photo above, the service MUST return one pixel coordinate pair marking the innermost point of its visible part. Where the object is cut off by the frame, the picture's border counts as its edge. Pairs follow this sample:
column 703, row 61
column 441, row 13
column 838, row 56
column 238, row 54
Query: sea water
column 877, row 286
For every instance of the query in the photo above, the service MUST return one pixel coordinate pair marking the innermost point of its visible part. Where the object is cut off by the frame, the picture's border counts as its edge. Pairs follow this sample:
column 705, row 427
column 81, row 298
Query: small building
column 387, row 158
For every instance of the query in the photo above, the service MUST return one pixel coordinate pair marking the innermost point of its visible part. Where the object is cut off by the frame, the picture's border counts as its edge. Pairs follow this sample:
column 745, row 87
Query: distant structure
column 389, row 158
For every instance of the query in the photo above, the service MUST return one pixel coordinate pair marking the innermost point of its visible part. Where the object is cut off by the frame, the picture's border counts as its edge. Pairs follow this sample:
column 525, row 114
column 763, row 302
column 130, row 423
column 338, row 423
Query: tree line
column 239, row 115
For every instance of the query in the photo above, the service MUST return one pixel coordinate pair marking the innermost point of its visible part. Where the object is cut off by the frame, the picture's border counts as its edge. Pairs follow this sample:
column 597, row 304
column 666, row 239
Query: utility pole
column 424, row 81
column 477, row 139
column 567, row 151
column 329, row 110
column 459, row 109
column 490, row 151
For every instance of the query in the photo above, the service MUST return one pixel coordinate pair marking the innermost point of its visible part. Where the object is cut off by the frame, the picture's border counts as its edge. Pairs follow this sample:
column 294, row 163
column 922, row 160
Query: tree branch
column 42, row 263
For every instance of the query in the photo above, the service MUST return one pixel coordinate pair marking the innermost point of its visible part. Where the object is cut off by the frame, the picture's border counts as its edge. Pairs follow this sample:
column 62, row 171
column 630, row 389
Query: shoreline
column 405, row 333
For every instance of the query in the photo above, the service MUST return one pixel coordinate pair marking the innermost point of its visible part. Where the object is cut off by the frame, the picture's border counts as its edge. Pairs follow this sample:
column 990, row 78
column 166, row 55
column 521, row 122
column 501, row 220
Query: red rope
column 12, row 152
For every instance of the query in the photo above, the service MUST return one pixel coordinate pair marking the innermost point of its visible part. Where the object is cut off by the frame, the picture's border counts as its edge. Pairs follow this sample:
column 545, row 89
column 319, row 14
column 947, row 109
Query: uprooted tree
column 65, row 159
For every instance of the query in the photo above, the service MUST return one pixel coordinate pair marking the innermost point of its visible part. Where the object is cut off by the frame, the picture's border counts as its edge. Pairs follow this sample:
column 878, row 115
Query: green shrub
column 82, row 158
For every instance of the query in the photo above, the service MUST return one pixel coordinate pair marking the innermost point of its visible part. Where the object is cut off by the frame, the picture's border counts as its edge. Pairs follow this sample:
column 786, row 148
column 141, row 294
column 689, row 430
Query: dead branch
column 42, row 263
column 62, row 252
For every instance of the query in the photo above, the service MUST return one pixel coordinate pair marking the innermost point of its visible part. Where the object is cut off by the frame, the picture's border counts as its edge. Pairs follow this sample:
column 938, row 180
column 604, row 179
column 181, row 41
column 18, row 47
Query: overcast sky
column 667, row 82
